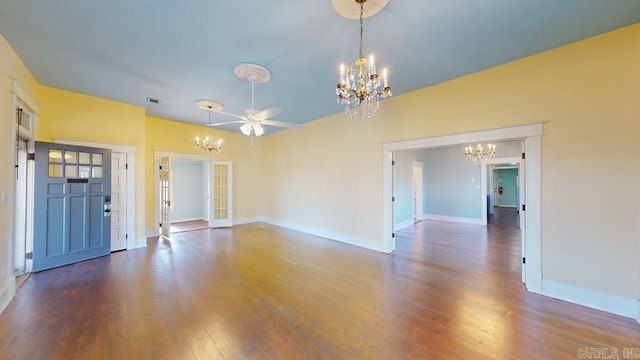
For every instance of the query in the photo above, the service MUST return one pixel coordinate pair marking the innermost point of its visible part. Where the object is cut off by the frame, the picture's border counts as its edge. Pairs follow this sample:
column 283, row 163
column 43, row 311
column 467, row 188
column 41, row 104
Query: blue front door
column 72, row 204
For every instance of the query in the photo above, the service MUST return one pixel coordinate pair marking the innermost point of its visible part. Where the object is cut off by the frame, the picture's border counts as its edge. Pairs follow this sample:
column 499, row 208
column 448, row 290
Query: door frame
column 19, row 94
column 132, row 240
column 208, row 159
column 532, row 136
column 417, row 190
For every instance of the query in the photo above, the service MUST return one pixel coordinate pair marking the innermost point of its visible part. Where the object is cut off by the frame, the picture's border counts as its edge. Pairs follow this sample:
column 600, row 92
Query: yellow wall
column 11, row 67
column 329, row 174
column 72, row 116
column 177, row 137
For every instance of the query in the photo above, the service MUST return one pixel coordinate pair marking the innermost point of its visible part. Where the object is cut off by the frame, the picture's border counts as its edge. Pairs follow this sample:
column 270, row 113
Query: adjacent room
column 344, row 179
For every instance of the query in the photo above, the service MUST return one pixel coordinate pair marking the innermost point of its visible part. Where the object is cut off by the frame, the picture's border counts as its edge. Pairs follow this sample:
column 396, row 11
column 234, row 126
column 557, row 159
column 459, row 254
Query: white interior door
column 165, row 195
column 221, row 208
column 118, row 201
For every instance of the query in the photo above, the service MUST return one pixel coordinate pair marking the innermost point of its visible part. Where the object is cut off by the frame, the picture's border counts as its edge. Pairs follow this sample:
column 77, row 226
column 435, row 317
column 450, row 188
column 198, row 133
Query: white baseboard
column 7, row 293
column 402, row 224
column 457, row 219
column 137, row 243
column 186, row 220
column 150, row 233
column 594, row 299
column 249, row 220
column 331, row 235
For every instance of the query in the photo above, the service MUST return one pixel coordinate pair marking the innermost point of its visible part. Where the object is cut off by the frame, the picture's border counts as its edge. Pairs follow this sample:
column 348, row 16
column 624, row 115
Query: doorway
column 531, row 136
column 211, row 201
column 189, row 195
column 504, row 192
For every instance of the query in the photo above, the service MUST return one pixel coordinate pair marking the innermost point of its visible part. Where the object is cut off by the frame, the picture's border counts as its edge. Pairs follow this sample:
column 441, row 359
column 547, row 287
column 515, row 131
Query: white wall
column 189, row 197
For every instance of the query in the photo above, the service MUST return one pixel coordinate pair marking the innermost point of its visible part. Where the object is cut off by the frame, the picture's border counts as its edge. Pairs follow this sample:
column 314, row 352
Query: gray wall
column 452, row 183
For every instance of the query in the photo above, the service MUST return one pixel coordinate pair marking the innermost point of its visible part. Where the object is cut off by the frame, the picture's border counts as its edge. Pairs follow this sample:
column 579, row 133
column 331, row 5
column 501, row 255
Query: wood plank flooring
column 262, row 292
column 191, row 225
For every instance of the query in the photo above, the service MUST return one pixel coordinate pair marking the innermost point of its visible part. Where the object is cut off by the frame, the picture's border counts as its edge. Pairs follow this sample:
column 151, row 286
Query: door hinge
column 393, row 235
column 160, row 167
column 19, row 116
column 523, row 207
column 160, row 224
column 393, row 198
column 524, row 260
column 126, row 236
column 393, row 162
column 126, row 166
column 523, row 156
column 31, row 156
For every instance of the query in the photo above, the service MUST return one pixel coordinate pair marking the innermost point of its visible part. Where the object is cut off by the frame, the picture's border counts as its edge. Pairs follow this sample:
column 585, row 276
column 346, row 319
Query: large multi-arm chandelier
column 360, row 88
column 207, row 143
column 480, row 153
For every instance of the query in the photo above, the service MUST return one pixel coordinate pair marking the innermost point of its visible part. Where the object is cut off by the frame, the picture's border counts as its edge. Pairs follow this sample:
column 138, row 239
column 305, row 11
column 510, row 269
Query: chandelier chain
column 361, row 29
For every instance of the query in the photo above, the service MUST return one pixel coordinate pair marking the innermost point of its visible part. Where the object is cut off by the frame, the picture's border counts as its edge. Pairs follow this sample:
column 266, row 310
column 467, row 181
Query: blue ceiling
column 181, row 51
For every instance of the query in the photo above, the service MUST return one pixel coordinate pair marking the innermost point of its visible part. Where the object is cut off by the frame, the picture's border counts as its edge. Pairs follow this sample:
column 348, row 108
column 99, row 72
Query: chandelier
column 207, row 143
column 360, row 89
column 480, row 153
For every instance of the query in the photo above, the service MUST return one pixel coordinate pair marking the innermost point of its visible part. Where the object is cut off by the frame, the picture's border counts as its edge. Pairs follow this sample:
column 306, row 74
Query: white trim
column 187, row 220
column 248, row 220
column 136, row 243
column 24, row 95
column 7, row 293
column 130, row 151
column 531, row 134
column 150, row 233
column 638, row 312
column 456, row 219
column 330, row 235
column 614, row 304
column 502, row 134
column 533, row 214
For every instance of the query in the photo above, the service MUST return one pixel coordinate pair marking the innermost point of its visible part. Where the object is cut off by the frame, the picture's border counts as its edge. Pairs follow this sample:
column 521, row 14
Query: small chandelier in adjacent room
column 480, row 153
column 207, row 143
column 360, row 88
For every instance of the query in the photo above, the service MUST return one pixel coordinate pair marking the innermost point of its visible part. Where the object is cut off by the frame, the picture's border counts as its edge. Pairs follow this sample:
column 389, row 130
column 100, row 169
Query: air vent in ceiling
column 153, row 100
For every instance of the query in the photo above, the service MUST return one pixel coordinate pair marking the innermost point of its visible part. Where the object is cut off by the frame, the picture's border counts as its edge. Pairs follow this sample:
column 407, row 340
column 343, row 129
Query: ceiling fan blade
column 230, row 114
column 267, row 114
column 225, row 123
column 280, row 124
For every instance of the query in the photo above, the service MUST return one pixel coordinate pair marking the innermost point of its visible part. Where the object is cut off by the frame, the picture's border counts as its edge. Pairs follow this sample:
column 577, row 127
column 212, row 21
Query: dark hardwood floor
column 262, row 292
column 504, row 216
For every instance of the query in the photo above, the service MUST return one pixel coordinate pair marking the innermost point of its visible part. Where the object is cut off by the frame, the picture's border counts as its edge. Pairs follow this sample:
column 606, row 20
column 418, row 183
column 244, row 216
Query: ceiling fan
column 251, row 119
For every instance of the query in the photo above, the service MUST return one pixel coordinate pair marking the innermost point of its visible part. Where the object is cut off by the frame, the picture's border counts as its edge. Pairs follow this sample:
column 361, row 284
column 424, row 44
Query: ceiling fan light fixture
column 246, row 129
column 258, row 130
